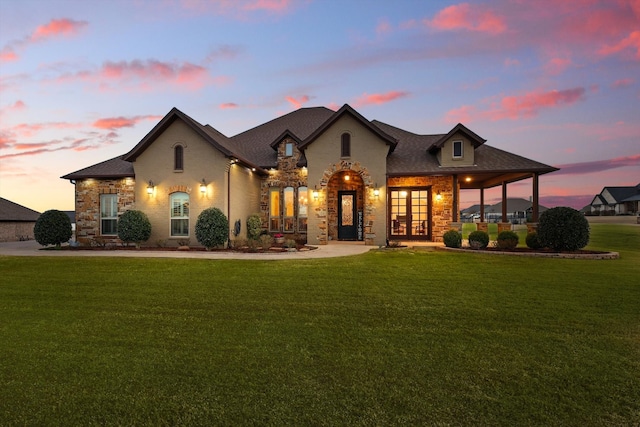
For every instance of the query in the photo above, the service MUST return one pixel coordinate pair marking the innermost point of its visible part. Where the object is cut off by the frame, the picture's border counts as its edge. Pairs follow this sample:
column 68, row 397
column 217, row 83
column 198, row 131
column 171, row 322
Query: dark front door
column 347, row 229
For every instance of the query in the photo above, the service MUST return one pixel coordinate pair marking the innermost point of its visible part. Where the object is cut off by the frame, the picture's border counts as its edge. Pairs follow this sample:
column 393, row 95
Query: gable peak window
column 178, row 158
column 288, row 149
column 345, row 145
column 457, row 149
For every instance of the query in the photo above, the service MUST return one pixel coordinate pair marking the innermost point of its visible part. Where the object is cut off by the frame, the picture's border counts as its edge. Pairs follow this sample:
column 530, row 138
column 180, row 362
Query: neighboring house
column 617, row 201
column 518, row 210
column 16, row 221
column 314, row 175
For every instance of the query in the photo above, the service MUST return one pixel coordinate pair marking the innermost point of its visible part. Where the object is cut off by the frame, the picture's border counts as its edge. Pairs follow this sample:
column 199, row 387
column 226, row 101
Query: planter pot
column 279, row 240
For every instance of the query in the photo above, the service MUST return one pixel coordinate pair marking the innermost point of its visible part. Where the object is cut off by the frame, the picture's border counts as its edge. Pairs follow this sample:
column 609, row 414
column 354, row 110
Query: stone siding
column 88, row 193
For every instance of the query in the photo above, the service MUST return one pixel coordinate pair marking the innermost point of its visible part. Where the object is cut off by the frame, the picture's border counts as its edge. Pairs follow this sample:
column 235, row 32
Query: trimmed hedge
column 532, row 241
column 507, row 240
column 134, row 226
column 563, row 229
column 452, row 239
column 52, row 228
column 212, row 228
column 478, row 239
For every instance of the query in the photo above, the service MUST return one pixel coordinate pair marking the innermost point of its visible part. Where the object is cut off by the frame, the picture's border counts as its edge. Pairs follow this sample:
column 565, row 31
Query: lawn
column 385, row 338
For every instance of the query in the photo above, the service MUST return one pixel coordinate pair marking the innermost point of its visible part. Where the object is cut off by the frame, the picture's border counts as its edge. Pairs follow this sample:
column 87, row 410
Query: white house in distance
column 314, row 175
column 617, row 201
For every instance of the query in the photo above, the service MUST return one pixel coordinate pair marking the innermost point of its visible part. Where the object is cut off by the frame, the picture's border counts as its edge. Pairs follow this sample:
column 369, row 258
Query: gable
column 457, row 150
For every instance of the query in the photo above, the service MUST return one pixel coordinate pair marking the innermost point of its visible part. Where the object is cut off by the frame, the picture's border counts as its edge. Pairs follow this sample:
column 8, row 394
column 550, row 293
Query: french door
column 409, row 213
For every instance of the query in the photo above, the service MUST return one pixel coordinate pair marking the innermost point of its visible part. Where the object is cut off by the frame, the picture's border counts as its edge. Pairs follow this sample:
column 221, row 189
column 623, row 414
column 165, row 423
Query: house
column 616, row 201
column 314, row 175
column 518, row 210
column 16, row 221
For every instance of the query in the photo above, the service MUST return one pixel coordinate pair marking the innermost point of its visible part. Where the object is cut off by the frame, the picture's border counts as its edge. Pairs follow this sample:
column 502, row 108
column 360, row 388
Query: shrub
column 452, row 239
column 532, row 241
column 134, row 226
column 563, row 229
column 478, row 239
column 254, row 226
column 212, row 228
column 266, row 241
column 52, row 228
column 507, row 240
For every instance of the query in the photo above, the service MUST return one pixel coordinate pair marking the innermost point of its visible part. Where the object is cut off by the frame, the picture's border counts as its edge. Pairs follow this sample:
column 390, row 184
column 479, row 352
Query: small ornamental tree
column 52, row 228
column 254, row 226
column 478, row 239
column 452, row 239
column 212, row 228
column 134, row 226
column 563, row 229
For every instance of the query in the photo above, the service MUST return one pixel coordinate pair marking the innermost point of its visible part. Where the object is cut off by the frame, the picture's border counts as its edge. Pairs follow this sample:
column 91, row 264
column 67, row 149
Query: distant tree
column 134, row 226
column 52, row 228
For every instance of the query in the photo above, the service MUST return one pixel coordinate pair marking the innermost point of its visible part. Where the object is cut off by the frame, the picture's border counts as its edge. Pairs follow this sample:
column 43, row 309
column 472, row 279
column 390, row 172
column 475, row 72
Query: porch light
column 315, row 193
column 150, row 187
column 203, row 186
column 468, row 179
column 347, row 177
column 376, row 191
column 438, row 196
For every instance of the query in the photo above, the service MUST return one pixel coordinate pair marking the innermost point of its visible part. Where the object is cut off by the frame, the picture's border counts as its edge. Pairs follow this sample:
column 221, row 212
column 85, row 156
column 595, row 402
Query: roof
column 112, row 168
column 10, row 211
column 620, row 194
column 459, row 128
column 515, row 204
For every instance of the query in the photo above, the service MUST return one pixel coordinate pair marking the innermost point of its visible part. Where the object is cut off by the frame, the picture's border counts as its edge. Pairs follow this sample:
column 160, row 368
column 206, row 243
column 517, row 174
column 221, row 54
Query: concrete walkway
column 333, row 249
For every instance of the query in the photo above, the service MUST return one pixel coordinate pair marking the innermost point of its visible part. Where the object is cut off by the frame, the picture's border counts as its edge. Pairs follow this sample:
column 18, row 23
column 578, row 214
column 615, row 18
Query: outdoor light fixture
column 315, row 193
column 438, row 196
column 347, row 177
column 468, row 179
column 203, row 186
column 150, row 187
column 376, row 191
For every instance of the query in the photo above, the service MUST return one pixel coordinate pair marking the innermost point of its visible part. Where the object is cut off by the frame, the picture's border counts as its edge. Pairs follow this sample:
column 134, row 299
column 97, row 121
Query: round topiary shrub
column 254, row 226
column 563, row 229
column 212, row 228
column 507, row 240
column 478, row 239
column 452, row 239
column 134, row 226
column 52, row 228
column 532, row 241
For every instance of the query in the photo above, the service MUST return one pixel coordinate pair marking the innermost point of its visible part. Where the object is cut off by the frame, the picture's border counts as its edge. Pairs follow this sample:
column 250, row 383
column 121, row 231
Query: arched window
column 345, row 145
column 179, row 214
column 178, row 158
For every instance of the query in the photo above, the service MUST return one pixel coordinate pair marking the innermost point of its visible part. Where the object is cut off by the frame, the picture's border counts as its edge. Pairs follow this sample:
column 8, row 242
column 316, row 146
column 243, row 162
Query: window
column 178, row 158
column 288, row 149
column 274, row 209
column 345, row 145
column 457, row 149
column 179, row 214
column 303, row 204
column 289, row 215
column 109, row 214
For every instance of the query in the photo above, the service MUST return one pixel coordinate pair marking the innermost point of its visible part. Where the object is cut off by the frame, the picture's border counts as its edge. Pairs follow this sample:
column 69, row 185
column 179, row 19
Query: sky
column 554, row 81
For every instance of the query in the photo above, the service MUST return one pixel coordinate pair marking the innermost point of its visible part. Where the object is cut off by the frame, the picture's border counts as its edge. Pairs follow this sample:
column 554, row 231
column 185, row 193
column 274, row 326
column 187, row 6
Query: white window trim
column 453, row 150
column 115, row 213
column 171, row 217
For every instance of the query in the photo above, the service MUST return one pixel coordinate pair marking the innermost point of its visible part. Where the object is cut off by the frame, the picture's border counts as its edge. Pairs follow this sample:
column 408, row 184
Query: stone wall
column 88, row 193
column 13, row 231
column 442, row 209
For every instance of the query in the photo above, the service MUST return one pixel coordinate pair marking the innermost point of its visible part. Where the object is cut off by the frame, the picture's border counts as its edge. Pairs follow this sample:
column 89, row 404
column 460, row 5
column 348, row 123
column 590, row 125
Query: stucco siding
column 245, row 200
column 445, row 156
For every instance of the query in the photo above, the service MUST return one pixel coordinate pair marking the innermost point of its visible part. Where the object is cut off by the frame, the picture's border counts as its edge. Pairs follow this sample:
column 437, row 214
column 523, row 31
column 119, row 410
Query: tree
column 563, row 229
column 134, row 226
column 212, row 228
column 52, row 228
column 254, row 226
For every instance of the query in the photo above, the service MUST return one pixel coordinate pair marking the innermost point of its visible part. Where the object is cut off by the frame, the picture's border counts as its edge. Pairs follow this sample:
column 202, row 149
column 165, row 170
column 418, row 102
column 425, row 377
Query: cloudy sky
column 555, row 81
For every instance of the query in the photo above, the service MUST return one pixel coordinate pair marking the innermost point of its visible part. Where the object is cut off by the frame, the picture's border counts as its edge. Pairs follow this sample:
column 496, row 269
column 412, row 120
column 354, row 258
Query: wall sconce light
column 347, row 177
column 438, row 196
column 315, row 193
column 376, row 191
column 150, row 187
column 203, row 186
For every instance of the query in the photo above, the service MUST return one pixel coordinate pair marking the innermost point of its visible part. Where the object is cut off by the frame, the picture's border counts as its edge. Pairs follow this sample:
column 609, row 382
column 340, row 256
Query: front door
column 347, row 229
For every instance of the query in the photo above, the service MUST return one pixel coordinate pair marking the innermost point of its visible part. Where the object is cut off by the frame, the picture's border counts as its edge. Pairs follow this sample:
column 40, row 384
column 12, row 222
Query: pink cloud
column 515, row 107
column 598, row 165
column 297, row 103
column 268, row 5
column 383, row 27
column 51, row 146
column 228, row 106
column 621, row 83
column 8, row 55
column 465, row 16
column 379, row 98
column 509, row 62
column 55, row 27
column 556, row 66
column 121, row 122
column 631, row 42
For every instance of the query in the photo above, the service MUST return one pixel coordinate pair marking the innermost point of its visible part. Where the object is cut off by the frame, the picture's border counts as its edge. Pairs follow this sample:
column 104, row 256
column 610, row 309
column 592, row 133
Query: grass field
column 385, row 338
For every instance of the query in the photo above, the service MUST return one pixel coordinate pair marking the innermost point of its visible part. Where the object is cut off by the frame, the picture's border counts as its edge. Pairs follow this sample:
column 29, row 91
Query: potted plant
column 291, row 245
column 278, row 238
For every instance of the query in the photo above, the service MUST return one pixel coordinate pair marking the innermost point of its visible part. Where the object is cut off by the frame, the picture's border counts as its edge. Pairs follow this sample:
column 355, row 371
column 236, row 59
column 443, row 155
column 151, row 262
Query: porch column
column 535, row 205
column 504, row 202
column 454, row 211
column 482, row 204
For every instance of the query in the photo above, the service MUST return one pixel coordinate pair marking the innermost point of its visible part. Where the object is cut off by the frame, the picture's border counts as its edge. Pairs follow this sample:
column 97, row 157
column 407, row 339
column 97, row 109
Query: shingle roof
column 10, row 211
column 112, row 168
column 622, row 193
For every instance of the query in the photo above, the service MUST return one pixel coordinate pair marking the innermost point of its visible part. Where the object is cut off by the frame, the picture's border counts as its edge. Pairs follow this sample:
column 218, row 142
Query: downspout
column 229, row 201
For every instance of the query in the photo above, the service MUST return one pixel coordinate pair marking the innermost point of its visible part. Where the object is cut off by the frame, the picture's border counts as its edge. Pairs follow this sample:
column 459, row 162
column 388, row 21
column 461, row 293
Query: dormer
column 457, row 148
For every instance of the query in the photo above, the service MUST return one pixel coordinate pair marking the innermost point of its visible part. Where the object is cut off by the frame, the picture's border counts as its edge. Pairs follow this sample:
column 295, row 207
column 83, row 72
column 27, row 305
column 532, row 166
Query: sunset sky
column 554, row 81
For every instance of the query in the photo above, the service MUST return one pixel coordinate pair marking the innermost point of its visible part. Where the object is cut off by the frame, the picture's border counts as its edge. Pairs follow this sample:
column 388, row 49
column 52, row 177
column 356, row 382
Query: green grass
column 402, row 337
